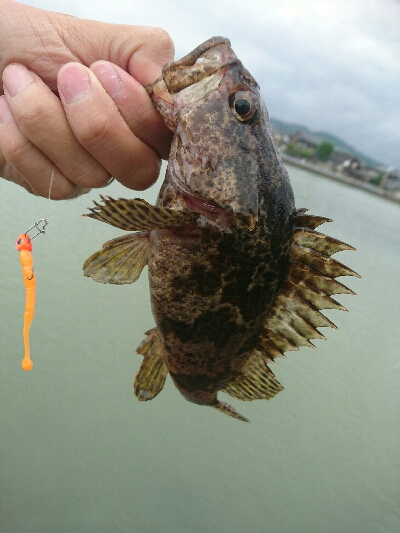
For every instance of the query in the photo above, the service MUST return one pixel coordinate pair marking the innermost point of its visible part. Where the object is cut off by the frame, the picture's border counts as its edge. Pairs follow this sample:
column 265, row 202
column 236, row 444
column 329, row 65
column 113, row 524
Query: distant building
column 390, row 179
column 363, row 172
column 343, row 161
column 302, row 146
column 305, row 140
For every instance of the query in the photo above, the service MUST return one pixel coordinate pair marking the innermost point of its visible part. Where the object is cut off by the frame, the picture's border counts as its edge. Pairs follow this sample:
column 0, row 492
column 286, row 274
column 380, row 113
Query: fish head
column 221, row 149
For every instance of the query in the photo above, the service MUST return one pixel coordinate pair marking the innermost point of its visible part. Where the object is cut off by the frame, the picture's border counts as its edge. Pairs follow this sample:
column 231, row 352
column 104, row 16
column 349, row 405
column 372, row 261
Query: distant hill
column 290, row 128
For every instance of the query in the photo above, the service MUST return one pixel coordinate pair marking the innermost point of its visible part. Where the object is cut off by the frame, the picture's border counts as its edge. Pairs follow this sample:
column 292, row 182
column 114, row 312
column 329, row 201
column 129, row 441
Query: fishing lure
column 24, row 246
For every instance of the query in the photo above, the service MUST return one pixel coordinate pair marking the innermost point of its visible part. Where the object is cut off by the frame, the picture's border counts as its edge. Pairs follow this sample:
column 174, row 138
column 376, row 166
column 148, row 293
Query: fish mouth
column 215, row 215
column 205, row 60
column 213, row 56
column 225, row 218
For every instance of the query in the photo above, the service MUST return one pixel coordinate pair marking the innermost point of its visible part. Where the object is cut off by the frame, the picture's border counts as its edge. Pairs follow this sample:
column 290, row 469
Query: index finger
column 135, row 106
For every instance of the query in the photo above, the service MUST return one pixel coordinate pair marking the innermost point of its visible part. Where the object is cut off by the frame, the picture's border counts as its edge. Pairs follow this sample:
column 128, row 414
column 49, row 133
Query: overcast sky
column 332, row 65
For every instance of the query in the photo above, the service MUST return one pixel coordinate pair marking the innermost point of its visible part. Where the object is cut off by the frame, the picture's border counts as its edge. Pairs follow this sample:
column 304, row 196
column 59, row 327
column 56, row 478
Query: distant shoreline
column 348, row 180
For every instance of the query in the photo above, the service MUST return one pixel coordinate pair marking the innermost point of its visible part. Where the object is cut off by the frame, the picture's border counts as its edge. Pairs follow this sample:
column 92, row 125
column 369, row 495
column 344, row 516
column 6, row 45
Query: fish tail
column 229, row 410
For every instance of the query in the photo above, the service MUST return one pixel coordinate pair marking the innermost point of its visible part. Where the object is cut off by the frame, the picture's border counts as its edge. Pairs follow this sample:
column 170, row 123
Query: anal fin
column 138, row 215
column 120, row 261
column 150, row 379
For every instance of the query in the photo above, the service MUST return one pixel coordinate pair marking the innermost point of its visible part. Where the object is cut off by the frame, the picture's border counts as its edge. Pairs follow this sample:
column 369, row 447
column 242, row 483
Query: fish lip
column 175, row 87
column 191, row 58
column 169, row 71
column 199, row 64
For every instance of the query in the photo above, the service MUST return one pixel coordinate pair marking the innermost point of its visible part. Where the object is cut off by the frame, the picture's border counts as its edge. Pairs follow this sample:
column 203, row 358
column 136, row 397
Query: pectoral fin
column 120, row 261
column 139, row 215
column 153, row 372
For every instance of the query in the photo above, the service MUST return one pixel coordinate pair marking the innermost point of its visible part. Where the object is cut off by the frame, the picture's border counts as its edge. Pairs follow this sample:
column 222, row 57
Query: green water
column 79, row 453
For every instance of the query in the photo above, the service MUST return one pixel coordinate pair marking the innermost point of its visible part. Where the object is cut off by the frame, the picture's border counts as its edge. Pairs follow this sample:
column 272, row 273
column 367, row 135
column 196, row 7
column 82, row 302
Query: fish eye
column 19, row 241
column 244, row 106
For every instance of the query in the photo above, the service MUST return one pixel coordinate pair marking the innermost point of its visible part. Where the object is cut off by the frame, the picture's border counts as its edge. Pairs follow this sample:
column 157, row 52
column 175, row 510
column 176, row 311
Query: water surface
column 79, row 453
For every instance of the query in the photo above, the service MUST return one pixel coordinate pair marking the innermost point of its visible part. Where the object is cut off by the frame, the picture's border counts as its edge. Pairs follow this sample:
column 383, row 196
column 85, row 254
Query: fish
column 237, row 275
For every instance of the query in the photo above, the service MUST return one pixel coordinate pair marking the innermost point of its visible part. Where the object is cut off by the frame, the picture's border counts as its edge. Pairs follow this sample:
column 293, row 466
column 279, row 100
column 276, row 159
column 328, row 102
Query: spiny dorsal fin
column 288, row 316
column 150, row 379
column 120, row 261
column 304, row 310
column 270, row 336
column 283, row 327
column 139, row 215
column 318, row 241
column 255, row 382
column 296, row 315
column 319, row 261
column 318, row 298
column 309, row 221
column 268, row 349
column 323, row 283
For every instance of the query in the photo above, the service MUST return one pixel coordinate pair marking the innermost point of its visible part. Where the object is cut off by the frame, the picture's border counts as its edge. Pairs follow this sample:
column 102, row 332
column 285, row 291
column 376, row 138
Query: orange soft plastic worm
column 24, row 245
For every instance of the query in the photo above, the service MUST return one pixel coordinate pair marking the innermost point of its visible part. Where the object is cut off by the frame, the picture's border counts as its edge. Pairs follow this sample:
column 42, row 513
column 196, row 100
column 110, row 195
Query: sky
column 331, row 65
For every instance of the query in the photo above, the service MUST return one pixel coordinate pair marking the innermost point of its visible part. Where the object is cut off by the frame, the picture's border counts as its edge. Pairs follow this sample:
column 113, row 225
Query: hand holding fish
column 94, row 129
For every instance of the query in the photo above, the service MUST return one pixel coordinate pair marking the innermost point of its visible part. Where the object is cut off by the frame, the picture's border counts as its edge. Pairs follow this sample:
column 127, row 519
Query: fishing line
column 50, row 186
column 51, row 183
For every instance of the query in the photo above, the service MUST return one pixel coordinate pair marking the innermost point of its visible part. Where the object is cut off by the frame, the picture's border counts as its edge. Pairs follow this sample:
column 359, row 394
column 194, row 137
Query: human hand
column 104, row 125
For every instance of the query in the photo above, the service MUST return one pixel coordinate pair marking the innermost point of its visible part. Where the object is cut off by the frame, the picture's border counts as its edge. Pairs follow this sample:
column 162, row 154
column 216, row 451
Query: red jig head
column 23, row 242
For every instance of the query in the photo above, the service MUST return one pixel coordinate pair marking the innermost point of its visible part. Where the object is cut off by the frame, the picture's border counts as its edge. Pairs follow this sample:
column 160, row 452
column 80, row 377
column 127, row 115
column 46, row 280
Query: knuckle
column 143, row 118
column 31, row 117
column 158, row 45
column 147, row 175
column 93, row 133
column 18, row 149
column 163, row 39
column 93, row 176
column 58, row 193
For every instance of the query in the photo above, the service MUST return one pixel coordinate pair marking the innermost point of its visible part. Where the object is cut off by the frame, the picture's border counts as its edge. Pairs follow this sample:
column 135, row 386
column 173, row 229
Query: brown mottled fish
column 237, row 275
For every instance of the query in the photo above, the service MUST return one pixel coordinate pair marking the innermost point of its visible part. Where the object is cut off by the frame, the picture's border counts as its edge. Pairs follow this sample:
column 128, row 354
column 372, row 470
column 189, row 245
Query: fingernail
column 5, row 114
column 108, row 77
column 73, row 83
column 15, row 78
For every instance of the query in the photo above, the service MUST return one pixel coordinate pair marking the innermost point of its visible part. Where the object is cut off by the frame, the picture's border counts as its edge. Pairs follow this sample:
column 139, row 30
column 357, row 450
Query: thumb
column 141, row 51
